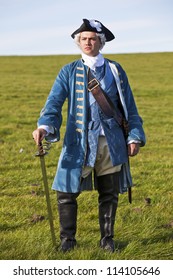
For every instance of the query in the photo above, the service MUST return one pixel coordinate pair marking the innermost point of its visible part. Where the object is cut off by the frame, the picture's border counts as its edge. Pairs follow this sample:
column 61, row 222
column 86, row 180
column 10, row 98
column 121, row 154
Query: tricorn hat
column 94, row 26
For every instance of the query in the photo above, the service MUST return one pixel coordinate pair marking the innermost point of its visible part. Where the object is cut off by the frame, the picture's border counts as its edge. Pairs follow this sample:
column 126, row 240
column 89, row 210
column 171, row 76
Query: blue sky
column 41, row 27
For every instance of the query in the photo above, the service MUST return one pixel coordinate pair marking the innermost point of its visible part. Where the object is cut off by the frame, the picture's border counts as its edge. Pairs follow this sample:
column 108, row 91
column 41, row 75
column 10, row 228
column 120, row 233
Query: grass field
column 143, row 230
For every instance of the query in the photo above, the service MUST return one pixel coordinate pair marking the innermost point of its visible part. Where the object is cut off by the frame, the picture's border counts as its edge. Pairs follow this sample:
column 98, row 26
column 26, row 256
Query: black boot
column 67, row 208
column 108, row 189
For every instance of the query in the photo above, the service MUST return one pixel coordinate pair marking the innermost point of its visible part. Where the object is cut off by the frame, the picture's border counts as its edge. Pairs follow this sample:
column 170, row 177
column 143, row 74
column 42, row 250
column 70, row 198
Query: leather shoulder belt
column 103, row 100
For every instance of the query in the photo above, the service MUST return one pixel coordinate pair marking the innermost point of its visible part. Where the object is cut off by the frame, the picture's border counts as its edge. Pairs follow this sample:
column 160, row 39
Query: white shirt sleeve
column 134, row 141
column 49, row 129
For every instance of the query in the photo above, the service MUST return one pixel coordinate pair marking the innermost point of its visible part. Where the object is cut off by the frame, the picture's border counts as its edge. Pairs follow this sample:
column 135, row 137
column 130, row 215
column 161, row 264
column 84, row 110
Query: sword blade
column 46, row 188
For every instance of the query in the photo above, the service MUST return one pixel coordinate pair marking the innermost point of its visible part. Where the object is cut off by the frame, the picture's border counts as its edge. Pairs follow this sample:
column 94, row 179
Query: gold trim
column 79, row 130
column 80, row 68
column 79, row 75
column 79, row 91
column 80, row 83
column 79, row 114
column 79, row 107
column 80, row 122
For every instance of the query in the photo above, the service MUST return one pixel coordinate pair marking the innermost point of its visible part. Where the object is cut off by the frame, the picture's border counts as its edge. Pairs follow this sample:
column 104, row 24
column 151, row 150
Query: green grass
column 142, row 231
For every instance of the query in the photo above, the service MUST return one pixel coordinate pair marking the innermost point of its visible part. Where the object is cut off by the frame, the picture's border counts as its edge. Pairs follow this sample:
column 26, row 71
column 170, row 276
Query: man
column 94, row 140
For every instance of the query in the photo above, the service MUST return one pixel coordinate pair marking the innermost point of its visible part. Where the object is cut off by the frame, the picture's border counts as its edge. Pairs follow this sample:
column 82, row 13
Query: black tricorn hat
column 94, row 26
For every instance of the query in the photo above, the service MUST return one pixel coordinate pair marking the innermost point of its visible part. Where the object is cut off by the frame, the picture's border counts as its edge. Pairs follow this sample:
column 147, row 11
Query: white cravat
column 93, row 61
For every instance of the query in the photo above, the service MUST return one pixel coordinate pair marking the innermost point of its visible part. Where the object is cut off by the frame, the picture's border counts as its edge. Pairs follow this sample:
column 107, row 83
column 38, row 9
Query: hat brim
column 87, row 27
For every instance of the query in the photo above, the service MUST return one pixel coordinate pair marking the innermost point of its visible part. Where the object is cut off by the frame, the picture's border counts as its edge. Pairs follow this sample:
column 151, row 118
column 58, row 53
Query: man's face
column 89, row 43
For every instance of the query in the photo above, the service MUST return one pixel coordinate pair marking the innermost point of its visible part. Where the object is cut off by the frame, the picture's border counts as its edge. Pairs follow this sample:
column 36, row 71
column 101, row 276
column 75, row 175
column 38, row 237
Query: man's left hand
column 133, row 149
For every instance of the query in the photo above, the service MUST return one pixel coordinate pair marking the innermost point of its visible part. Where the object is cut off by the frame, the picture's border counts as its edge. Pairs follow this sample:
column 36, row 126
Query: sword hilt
column 41, row 149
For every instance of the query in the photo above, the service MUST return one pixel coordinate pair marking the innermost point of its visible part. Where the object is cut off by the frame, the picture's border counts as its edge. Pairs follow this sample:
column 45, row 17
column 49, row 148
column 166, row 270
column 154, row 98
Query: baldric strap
column 102, row 99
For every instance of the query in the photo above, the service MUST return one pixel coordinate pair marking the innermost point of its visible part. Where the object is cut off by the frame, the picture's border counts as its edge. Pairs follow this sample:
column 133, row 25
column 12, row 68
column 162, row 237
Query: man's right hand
column 38, row 135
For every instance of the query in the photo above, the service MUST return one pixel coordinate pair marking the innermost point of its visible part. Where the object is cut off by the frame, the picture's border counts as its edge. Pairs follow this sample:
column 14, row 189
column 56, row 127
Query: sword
column 41, row 153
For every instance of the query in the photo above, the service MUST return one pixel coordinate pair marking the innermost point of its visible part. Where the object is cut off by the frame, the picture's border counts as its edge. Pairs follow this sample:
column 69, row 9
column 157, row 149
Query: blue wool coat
column 71, row 84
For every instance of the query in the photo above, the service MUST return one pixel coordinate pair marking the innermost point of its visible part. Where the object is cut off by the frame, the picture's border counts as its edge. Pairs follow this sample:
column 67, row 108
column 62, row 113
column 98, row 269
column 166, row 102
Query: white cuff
column 49, row 129
column 134, row 141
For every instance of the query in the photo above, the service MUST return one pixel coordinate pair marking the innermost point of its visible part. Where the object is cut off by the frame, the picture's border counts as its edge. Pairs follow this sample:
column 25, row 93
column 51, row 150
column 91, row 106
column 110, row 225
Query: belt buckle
column 93, row 84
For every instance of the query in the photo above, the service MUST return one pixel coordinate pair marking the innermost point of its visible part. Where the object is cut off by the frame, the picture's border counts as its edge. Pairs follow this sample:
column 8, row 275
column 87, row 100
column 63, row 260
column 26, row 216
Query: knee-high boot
column 108, row 189
column 67, row 208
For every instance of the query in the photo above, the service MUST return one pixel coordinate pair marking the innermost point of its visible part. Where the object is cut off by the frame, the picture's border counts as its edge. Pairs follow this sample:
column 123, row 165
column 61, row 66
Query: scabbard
column 130, row 194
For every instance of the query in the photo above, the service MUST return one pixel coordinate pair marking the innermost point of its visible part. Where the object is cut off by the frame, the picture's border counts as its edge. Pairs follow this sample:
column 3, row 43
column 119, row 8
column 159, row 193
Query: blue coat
column 71, row 84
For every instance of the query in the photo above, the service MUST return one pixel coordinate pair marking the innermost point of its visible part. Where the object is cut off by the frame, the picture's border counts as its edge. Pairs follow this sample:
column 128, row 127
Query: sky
column 44, row 27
